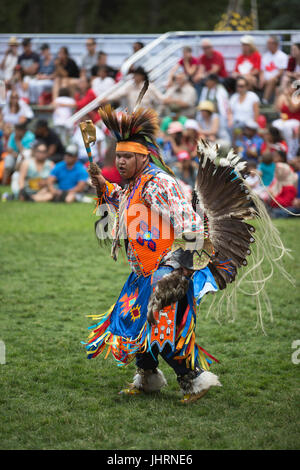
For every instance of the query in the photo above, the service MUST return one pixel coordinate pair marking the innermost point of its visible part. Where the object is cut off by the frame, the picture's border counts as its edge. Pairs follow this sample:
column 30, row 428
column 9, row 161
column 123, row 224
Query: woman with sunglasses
column 244, row 105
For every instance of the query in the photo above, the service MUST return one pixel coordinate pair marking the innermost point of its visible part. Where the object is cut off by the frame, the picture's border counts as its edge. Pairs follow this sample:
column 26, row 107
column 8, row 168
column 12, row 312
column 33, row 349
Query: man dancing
column 177, row 251
column 163, row 235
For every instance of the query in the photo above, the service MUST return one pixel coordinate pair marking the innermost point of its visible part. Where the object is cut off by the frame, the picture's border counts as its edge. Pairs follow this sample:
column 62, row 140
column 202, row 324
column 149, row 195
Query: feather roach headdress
column 140, row 127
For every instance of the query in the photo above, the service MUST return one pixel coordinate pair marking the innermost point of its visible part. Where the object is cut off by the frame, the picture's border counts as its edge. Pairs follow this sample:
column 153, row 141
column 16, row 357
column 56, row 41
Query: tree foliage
column 133, row 16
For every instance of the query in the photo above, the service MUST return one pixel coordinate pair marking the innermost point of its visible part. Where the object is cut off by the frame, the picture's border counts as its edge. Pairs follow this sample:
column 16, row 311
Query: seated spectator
column 248, row 64
column 90, row 59
column 98, row 149
column 131, row 91
column 64, row 106
column 188, row 64
column 109, row 169
column 44, row 79
column 208, row 121
column 19, row 141
column 55, row 148
column 20, row 84
column 173, row 116
column 243, row 105
column 273, row 141
column 67, row 180
column 210, row 62
column 34, row 173
column 16, row 111
column 273, row 64
column 249, row 144
column 266, row 168
column 283, row 189
column 29, row 60
column 66, row 72
column 102, row 82
column 102, row 60
column 289, row 121
column 191, row 136
column 293, row 67
column 279, row 156
column 209, row 125
column 181, row 96
column 10, row 60
column 252, row 178
column 85, row 95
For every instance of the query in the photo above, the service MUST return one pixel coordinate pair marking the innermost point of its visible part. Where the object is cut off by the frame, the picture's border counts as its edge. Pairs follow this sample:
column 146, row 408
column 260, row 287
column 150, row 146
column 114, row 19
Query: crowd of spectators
column 254, row 108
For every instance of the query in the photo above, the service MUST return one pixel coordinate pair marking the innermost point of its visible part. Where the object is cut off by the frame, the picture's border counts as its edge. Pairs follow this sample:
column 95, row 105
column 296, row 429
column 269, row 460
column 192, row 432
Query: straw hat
column 206, row 106
column 13, row 41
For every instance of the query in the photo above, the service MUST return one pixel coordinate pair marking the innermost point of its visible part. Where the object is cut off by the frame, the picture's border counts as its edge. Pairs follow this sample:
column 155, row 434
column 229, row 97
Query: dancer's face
column 129, row 164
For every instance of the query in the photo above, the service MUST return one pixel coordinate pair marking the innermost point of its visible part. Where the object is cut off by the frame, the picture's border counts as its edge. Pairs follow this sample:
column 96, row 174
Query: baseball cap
column 72, row 150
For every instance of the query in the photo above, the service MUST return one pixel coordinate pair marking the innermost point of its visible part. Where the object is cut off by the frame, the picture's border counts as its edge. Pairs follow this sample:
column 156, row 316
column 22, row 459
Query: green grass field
column 53, row 274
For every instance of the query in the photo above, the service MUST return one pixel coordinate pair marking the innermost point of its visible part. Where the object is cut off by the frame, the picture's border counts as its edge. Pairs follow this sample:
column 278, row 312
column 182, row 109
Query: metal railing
column 159, row 55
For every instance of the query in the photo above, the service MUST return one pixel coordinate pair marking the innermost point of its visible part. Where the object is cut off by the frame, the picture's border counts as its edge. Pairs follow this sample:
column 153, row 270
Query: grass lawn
column 53, row 274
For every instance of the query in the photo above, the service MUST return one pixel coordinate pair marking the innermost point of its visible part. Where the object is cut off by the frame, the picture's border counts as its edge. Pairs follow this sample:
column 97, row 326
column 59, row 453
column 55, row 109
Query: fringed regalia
column 209, row 237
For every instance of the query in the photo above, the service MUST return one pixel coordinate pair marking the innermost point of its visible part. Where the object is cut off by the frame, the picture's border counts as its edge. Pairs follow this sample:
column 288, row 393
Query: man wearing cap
column 211, row 61
column 250, row 143
column 248, row 64
column 67, row 179
column 10, row 59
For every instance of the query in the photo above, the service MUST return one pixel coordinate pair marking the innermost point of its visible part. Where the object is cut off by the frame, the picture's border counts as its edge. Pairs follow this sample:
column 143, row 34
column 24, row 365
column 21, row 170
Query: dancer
column 177, row 251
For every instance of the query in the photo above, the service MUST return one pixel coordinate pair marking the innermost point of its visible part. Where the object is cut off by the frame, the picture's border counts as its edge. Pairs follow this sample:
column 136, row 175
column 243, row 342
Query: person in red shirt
column 248, row 64
column 84, row 95
column 210, row 62
column 284, row 187
column 188, row 63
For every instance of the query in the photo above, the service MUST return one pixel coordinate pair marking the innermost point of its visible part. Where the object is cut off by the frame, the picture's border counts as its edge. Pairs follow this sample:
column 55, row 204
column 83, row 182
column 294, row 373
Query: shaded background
column 134, row 16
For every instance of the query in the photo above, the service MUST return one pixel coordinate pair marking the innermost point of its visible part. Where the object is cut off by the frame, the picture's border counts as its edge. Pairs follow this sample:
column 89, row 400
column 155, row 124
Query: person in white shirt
column 64, row 106
column 102, row 82
column 274, row 63
column 244, row 105
column 10, row 60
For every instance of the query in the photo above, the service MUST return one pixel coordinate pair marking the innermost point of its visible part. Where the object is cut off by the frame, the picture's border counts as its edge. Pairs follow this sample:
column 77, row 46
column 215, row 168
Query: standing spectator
column 90, row 58
column 102, row 82
column 34, row 172
column 244, row 105
column 248, row 64
column 288, row 124
column 137, row 46
column 64, row 106
column 16, row 111
column 55, row 148
column 273, row 64
column 84, row 95
column 66, row 71
column 29, row 60
column 181, row 96
column 67, row 180
column 45, row 77
column 210, row 62
column 19, row 141
column 10, row 59
column 188, row 64
column 131, row 90
column 249, row 144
